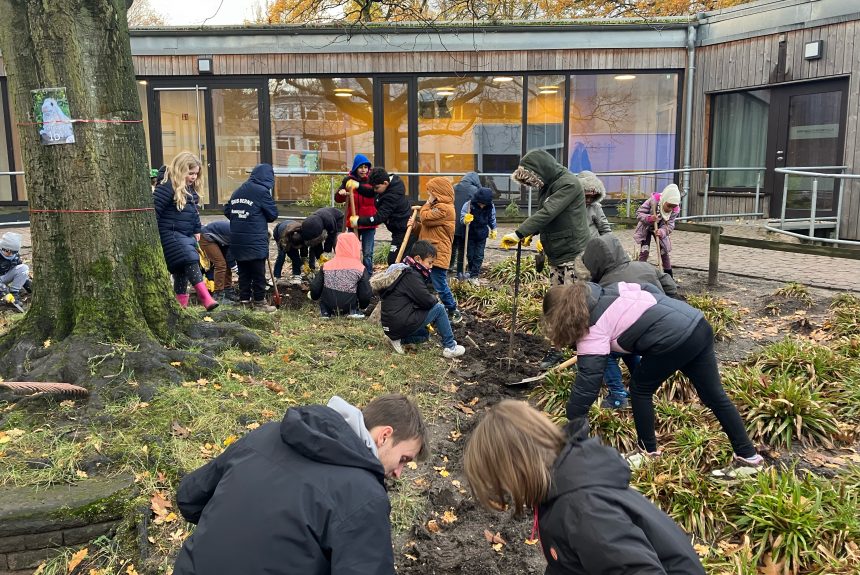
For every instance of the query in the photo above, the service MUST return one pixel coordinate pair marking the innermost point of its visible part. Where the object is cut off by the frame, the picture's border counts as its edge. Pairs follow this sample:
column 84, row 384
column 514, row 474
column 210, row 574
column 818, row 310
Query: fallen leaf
column 497, row 547
column 456, row 483
column 448, row 517
column 495, row 538
column 130, row 570
column 15, row 433
column 81, row 474
column 267, row 413
column 768, row 567
column 276, row 387
column 432, row 526
column 412, row 557
column 175, row 363
column 229, row 440
column 207, row 318
column 454, row 435
column 465, row 409
column 178, row 430
column 412, row 465
column 159, row 504
column 474, row 401
column 701, row 550
column 532, row 541
column 76, row 559
column 47, row 344
column 252, row 426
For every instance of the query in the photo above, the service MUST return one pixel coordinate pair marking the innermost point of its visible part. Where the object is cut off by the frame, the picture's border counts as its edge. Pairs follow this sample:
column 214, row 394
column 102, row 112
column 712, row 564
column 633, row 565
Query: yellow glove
column 509, row 241
column 527, row 241
column 539, row 247
column 353, row 221
column 468, row 218
column 493, row 234
column 351, row 185
column 9, row 298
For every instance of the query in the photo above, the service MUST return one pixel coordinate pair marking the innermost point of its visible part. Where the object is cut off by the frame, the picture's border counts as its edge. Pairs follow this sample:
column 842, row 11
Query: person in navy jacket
column 250, row 209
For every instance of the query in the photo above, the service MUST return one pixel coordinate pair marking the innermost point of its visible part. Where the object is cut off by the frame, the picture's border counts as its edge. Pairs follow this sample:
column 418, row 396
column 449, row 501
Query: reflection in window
column 318, row 124
column 739, row 137
column 624, row 122
column 545, row 130
column 237, row 137
column 471, row 124
column 144, row 109
column 5, row 181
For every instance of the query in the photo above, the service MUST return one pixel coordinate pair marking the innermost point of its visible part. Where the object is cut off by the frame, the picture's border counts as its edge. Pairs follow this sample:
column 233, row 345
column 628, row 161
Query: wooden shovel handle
column 564, row 365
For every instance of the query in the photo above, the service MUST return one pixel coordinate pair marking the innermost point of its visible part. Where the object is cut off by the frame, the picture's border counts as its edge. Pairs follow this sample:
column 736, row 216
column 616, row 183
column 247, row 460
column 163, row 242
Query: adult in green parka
column 560, row 220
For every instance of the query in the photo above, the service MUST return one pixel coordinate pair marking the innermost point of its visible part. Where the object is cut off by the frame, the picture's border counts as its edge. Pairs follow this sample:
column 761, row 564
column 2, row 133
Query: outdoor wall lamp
column 204, row 65
column 813, row 50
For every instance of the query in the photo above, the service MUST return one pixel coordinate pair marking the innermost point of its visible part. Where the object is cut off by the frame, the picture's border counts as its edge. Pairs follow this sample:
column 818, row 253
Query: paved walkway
column 690, row 251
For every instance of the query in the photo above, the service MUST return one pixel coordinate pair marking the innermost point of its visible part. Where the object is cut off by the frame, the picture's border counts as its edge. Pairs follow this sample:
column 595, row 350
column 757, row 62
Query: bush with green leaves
column 720, row 313
column 512, row 210
column 845, row 320
column 622, row 211
column 320, row 195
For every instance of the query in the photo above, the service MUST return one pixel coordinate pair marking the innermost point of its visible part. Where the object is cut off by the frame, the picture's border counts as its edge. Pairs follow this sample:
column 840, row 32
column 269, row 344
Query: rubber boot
column 204, row 298
column 182, row 298
column 668, row 271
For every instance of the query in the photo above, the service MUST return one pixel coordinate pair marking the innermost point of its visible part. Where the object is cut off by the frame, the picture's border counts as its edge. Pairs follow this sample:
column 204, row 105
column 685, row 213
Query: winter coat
column 305, row 497
column 250, row 209
column 627, row 318
column 561, row 217
column 438, row 220
column 405, row 300
column 8, row 264
column 365, row 204
column 597, row 222
column 640, row 235
column 218, row 232
column 608, row 263
column 393, row 208
column 485, row 218
column 176, row 228
column 328, row 220
column 592, row 522
column 463, row 192
column 343, row 283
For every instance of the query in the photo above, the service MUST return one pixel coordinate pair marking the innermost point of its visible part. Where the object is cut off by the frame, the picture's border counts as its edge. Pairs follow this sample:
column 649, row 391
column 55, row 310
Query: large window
column 318, row 124
column 739, row 138
column 237, row 137
column 5, row 165
column 545, row 128
column 621, row 122
column 471, row 124
column 144, row 113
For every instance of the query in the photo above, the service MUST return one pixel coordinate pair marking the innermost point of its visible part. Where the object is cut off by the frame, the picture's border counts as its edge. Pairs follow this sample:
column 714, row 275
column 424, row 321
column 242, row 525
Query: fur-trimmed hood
column 591, row 184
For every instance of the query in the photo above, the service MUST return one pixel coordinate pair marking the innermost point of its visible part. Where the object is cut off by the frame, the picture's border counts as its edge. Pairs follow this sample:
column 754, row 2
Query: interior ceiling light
column 548, row 92
column 625, row 77
column 142, row 82
column 444, row 93
column 547, row 87
column 503, row 79
column 344, row 90
column 343, row 94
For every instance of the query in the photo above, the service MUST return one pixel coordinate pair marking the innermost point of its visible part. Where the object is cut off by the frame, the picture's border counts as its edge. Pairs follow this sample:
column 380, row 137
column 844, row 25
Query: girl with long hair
column 669, row 334
column 179, row 227
column 587, row 517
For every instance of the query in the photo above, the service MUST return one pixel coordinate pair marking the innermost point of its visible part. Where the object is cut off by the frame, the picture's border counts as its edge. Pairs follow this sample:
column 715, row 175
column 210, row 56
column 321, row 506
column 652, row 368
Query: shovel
column 276, row 295
column 557, row 368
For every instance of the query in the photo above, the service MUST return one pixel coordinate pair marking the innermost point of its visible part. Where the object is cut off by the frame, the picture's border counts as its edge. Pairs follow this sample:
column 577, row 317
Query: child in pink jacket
column 661, row 208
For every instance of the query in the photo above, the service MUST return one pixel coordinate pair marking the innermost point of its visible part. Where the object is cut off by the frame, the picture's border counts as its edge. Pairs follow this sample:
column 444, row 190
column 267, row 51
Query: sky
column 191, row 12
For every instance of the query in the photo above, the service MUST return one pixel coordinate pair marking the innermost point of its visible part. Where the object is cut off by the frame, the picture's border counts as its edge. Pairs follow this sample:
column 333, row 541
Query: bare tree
column 141, row 13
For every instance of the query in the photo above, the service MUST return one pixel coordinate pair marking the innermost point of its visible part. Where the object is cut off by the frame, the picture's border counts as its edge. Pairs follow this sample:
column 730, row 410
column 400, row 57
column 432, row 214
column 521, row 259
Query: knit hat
column 670, row 195
column 11, row 241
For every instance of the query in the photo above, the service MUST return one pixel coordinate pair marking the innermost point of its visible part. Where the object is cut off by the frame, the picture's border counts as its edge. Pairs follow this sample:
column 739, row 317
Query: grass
column 184, row 426
column 719, row 312
column 795, row 291
column 380, row 253
column 845, row 320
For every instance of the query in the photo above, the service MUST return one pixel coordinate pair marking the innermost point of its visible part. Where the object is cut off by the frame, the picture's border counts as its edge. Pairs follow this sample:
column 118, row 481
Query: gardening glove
column 351, row 185
column 353, row 221
column 493, row 234
column 527, row 241
column 539, row 247
column 509, row 241
column 651, row 219
column 468, row 218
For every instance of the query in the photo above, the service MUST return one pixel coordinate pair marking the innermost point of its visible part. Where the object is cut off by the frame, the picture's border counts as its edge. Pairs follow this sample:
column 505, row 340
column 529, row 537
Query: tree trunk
column 99, row 274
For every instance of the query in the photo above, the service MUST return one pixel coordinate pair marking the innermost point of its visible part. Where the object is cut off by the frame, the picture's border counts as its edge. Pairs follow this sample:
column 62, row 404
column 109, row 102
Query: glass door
column 236, row 126
column 809, row 132
column 182, row 114
column 394, row 122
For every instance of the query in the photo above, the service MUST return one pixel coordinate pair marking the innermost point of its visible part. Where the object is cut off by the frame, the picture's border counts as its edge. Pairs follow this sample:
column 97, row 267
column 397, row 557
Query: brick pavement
column 690, row 251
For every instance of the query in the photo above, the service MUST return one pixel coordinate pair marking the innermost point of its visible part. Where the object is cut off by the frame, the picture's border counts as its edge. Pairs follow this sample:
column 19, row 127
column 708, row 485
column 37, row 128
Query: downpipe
column 688, row 112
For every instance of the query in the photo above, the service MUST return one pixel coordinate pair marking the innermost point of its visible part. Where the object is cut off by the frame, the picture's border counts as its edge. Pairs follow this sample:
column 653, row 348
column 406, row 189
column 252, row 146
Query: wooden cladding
column 352, row 64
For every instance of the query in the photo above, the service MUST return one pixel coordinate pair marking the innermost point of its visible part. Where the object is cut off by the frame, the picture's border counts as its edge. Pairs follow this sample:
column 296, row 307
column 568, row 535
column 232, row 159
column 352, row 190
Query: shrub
column 621, row 209
column 512, row 210
column 320, row 193
column 846, row 315
column 380, row 253
column 795, row 291
column 720, row 313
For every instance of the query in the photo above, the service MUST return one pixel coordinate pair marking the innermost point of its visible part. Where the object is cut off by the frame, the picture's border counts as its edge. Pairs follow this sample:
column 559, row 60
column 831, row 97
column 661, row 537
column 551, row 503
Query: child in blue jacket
column 479, row 214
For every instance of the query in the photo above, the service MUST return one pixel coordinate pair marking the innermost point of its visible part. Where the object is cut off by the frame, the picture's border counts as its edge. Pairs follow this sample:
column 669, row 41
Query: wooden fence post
column 714, row 255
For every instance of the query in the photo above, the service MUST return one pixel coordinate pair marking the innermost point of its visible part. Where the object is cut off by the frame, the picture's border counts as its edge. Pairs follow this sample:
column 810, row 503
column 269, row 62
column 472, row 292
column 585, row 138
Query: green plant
column 512, row 210
column 846, row 315
column 720, row 313
column 320, row 194
column 795, row 291
column 380, row 253
column 505, row 272
column 552, row 393
column 623, row 212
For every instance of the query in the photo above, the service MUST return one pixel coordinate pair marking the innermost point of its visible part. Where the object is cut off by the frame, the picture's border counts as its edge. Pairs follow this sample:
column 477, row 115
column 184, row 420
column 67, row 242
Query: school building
column 735, row 96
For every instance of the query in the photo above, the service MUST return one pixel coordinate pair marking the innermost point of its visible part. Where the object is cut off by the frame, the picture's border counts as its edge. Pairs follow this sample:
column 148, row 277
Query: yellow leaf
column 532, row 541
column 130, row 570
column 444, row 473
column 15, row 433
column 175, row 363
column 448, row 517
column 170, row 517
column 81, row 473
column 207, row 318
column 702, row 550
column 47, row 344
column 432, row 526
column 77, row 558
column 497, row 547
column 40, row 569
column 231, row 439
column 4, row 438
column 252, row 426
column 412, row 465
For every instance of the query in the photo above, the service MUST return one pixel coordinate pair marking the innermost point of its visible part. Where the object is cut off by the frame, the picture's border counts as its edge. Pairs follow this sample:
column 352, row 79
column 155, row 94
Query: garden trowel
column 559, row 367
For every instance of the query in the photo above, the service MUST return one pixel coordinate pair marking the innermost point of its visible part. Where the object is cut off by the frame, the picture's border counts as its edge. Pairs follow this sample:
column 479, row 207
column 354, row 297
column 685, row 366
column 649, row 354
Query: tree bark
column 97, row 274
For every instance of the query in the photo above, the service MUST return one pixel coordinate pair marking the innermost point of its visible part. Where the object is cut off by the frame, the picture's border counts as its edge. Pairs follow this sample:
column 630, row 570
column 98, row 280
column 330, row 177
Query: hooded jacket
column 363, row 196
column 342, row 283
column 250, row 209
column 176, row 228
column 405, row 300
column 593, row 523
column 608, row 263
column 561, row 217
column 644, row 228
column 464, row 190
column 320, row 229
column 218, row 232
column 626, row 318
column 305, row 497
column 485, row 218
column 597, row 222
column 392, row 208
column 438, row 220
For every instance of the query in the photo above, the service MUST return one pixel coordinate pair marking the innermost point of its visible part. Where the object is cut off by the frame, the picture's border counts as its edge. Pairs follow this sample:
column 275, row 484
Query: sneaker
column 455, row 317
column 296, row 280
column 613, row 401
column 261, row 305
column 395, row 344
column 356, row 315
column 324, row 316
column 452, row 352
column 740, row 467
column 638, row 459
column 552, row 358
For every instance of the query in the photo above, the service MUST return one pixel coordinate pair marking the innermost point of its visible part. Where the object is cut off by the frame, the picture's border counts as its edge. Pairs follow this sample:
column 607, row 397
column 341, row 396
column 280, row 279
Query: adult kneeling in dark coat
column 250, row 208
column 319, row 230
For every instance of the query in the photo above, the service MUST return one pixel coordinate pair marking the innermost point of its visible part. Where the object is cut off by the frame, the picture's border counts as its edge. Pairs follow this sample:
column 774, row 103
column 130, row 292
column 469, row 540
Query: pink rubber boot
column 182, row 298
column 203, row 296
